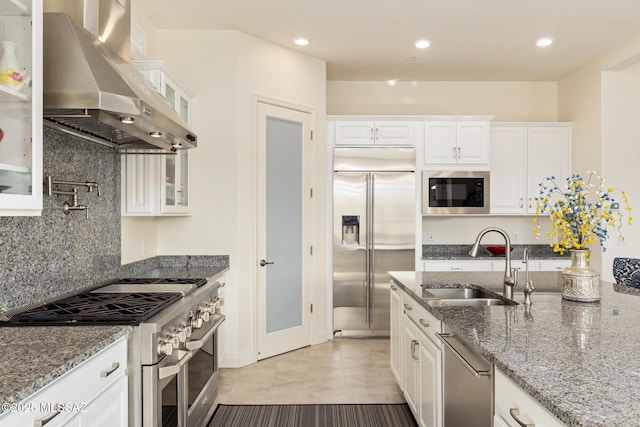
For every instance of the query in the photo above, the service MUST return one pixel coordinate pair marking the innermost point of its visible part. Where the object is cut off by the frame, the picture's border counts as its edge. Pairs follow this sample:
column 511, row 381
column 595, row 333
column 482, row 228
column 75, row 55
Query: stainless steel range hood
column 91, row 92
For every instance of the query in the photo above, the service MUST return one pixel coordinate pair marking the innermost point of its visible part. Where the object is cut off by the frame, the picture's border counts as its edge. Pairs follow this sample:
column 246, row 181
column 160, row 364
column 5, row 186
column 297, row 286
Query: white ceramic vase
column 11, row 73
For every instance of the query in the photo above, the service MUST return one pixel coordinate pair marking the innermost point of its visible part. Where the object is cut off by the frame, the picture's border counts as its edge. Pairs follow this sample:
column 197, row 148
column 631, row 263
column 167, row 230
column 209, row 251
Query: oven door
column 163, row 391
column 201, row 372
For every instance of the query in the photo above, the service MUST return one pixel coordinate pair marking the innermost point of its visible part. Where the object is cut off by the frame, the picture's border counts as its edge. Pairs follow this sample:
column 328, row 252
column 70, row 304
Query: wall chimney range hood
column 91, row 92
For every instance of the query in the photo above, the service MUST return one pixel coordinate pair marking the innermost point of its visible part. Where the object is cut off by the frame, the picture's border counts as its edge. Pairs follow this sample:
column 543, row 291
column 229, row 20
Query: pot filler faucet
column 510, row 275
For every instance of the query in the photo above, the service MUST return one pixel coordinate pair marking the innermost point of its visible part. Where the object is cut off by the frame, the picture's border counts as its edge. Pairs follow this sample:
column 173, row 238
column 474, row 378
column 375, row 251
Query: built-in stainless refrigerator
column 374, row 212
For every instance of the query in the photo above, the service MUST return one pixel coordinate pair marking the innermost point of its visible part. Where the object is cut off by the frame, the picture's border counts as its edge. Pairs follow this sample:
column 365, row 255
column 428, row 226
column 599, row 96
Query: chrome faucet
column 510, row 275
column 528, row 284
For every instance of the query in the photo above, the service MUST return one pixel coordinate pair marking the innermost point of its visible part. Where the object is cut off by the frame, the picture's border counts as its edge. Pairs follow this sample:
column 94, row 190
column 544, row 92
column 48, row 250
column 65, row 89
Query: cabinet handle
column 394, row 288
column 372, row 137
column 414, row 344
column 44, row 421
column 521, row 202
column 530, row 204
column 459, row 152
column 114, row 367
column 407, row 307
column 454, row 153
column 515, row 413
column 424, row 323
column 456, row 268
column 376, row 137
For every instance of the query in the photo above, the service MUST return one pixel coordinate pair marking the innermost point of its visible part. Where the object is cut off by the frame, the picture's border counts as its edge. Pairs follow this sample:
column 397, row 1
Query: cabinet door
column 430, row 384
column 174, row 179
column 139, row 189
column 440, row 143
column 548, row 154
column 394, row 133
column 21, row 108
column 354, row 133
column 396, row 333
column 553, row 265
column 472, row 139
column 109, row 409
column 411, row 366
column 508, row 170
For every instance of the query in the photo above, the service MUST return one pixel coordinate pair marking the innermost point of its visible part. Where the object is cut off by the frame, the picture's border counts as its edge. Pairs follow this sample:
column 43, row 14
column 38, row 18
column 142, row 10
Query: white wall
column 508, row 101
column 599, row 99
column 620, row 154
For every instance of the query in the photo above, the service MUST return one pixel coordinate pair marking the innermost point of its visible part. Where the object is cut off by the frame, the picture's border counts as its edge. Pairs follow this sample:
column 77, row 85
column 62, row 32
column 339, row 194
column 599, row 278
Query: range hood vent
column 91, row 92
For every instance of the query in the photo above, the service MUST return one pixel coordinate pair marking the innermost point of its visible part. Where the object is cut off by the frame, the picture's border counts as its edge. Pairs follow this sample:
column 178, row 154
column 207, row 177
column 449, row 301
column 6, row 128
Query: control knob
column 183, row 333
column 165, row 348
column 203, row 314
column 195, row 321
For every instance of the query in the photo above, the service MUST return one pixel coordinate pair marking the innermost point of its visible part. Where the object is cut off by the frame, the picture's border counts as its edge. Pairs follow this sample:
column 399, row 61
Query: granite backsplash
column 54, row 254
column 435, row 252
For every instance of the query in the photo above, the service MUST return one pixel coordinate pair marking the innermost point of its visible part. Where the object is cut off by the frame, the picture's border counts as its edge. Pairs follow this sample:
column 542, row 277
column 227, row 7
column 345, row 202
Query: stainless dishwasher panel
column 468, row 385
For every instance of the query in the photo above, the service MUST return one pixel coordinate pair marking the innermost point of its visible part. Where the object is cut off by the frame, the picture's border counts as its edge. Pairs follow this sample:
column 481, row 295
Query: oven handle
column 171, row 370
column 197, row 344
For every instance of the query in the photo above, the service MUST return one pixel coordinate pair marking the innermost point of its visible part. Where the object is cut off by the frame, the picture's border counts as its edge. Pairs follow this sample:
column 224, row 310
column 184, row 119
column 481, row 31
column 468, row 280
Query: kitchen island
column 579, row 360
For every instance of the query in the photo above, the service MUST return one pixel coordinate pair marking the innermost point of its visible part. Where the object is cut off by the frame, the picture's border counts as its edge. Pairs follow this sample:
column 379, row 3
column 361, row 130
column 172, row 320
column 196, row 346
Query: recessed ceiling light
column 301, row 41
column 423, row 44
column 544, row 42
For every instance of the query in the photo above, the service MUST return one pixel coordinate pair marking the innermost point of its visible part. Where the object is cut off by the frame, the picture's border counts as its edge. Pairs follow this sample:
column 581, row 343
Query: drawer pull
column 407, row 307
column 45, row 421
column 456, row 268
column 114, row 367
column 424, row 323
column 515, row 413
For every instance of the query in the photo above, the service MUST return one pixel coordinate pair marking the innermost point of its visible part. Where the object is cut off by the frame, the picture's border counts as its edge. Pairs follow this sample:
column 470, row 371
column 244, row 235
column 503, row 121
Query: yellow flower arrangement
column 580, row 213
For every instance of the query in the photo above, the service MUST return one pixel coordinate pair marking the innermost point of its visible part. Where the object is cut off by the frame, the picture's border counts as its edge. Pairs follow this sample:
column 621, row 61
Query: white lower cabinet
column 422, row 363
column 95, row 393
column 396, row 334
column 515, row 408
column 458, row 265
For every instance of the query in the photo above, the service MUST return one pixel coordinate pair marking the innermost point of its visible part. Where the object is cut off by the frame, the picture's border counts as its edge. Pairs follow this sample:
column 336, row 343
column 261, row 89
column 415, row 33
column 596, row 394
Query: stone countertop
column 579, row 360
column 34, row 356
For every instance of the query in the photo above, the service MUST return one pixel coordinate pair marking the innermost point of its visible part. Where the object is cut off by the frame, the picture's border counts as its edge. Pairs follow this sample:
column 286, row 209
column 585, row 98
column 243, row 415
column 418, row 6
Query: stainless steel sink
column 465, row 297
column 477, row 302
column 456, row 293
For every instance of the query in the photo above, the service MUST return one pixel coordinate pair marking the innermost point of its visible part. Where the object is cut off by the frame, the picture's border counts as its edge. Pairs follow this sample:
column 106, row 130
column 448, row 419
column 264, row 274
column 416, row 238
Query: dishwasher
column 467, row 384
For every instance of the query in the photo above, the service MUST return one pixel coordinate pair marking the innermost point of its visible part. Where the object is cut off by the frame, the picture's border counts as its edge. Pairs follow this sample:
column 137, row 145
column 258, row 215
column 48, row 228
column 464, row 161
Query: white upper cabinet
column 457, row 143
column 155, row 185
column 522, row 155
column 168, row 84
column 21, row 108
column 372, row 132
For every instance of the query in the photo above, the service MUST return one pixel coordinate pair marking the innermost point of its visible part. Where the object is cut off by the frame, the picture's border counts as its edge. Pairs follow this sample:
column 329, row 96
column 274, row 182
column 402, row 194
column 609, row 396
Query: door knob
column 263, row 263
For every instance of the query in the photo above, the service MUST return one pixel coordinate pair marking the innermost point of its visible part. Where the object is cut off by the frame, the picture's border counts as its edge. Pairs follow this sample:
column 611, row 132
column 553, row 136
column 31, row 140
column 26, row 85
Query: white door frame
column 278, row 341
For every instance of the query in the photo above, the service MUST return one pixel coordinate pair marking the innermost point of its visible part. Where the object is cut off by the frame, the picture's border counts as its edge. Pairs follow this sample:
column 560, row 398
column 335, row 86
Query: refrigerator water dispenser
column 350, row 230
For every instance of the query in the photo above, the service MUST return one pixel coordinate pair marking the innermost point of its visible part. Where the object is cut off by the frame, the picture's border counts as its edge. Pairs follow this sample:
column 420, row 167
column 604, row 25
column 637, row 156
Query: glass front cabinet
column 158, row 184
column 20, row 107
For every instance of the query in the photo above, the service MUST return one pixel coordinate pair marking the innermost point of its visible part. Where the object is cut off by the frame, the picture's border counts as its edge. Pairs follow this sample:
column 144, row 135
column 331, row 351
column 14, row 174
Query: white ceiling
column 471, row 39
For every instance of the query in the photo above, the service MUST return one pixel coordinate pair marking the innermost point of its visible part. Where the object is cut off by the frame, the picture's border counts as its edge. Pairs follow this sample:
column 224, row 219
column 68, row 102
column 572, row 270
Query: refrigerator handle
column 372, row 261
column 367, row 243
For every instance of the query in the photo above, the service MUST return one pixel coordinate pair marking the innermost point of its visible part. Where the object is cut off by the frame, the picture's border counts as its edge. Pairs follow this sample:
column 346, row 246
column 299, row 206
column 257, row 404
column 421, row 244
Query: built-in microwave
column 455, row 192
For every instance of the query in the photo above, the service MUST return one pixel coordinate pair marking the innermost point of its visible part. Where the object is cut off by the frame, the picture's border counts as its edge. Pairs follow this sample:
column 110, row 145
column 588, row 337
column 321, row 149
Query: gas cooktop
column 120, row 302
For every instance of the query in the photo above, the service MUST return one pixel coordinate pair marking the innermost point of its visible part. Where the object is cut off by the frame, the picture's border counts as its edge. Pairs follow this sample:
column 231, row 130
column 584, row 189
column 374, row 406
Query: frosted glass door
column 284, row 224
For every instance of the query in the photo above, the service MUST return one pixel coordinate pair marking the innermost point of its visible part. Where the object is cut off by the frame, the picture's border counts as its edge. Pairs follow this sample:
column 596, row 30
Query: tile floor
column 338, row 371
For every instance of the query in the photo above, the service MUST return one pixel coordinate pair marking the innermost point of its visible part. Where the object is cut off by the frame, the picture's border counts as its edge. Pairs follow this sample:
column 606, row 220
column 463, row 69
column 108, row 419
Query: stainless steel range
column 173, row 364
